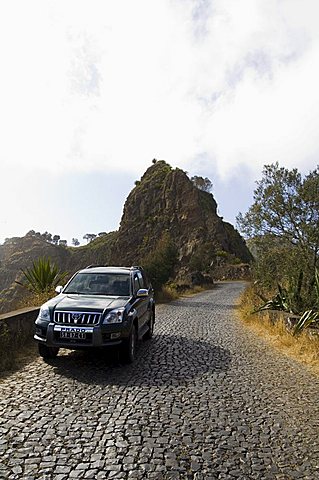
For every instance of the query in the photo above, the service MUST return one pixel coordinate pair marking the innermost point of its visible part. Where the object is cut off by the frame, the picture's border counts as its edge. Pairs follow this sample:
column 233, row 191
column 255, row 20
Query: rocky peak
column 166, row 200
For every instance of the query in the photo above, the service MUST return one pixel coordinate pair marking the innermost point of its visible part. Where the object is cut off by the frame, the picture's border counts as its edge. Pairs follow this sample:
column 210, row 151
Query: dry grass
column 303, row 348
column 169, row 293
column 166, row 294
column 32, row 299
column 194, row 291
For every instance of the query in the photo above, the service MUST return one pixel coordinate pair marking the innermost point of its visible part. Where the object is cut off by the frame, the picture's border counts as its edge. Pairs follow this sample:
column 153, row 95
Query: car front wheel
column 149, row 334
column 47, row 352
column 129, row 347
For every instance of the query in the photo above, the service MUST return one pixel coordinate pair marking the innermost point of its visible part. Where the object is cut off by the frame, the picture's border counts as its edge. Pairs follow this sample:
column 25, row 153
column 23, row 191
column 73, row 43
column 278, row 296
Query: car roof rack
column 133, row 267
column 94, row 266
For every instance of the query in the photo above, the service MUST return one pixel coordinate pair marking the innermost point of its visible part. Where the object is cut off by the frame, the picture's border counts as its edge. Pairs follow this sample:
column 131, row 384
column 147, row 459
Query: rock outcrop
column 166, row 200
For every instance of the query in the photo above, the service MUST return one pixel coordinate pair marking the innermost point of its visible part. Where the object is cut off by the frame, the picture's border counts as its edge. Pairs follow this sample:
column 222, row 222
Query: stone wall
column 16, row 332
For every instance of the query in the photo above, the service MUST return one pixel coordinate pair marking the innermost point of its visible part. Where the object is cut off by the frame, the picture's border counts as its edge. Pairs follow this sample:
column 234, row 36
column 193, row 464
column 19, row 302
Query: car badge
column 76, row 317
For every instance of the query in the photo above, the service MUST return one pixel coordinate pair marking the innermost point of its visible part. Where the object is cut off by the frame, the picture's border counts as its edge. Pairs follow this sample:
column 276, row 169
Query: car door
column 141, row 304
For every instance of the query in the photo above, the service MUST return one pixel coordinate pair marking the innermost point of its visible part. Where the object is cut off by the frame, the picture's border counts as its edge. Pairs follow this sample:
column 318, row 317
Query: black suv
column 99, row 307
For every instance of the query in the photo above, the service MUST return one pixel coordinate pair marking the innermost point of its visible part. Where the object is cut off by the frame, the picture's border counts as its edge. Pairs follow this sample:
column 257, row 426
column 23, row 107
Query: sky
column 92, row 91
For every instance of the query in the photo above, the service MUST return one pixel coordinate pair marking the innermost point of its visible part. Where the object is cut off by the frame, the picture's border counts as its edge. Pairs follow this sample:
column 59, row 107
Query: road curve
column 205, row 399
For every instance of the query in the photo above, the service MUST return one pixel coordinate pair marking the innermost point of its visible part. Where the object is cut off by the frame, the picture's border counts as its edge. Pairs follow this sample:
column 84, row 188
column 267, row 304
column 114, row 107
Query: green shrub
column 159, row 264
column 203, row 258
column 310, row 317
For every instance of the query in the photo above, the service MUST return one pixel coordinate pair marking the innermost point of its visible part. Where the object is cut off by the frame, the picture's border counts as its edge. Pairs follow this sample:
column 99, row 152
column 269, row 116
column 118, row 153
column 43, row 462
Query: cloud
column 268, row 120
column 85, row 77
column 111, row 85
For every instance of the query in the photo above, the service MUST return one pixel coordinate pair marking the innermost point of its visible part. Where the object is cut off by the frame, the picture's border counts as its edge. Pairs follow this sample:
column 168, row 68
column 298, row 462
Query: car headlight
column 44, row 314
column 115, row 316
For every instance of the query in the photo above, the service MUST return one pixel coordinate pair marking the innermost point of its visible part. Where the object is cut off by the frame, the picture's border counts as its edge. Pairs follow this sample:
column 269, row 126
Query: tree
column 285, row 206
column 55, row 239
column 159, row 263
column 202, row 183
column 75, row 242
column 89, row 237
column 63, row 243
column 47, row 236
column 203, row 256
column 283, row 225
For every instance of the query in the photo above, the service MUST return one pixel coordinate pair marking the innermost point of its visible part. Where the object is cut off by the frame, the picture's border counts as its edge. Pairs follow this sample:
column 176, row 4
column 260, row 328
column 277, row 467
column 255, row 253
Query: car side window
column 146, row 280
column 136, row 283
column 141, row 279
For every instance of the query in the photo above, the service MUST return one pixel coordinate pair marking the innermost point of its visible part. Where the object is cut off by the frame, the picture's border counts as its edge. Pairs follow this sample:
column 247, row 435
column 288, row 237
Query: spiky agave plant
column 43, row 276
column 310, row 317
column 286, row 299
column 280, row 301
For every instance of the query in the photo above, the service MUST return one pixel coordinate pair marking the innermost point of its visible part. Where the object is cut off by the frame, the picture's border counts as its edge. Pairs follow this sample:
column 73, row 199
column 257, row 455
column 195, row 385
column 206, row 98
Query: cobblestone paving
column 204, row 400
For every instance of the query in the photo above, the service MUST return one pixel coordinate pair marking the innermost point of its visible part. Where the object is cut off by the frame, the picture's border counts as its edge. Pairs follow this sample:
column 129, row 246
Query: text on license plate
column 68, row 334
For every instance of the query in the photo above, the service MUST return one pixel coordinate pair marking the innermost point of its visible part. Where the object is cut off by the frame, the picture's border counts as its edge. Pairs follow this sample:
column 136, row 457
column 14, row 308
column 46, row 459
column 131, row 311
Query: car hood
column 87, row 302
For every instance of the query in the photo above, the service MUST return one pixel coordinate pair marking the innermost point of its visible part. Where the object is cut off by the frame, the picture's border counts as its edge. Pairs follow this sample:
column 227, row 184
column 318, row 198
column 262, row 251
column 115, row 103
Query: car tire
column 149, row 334
column 47, row 353
column 129, row 347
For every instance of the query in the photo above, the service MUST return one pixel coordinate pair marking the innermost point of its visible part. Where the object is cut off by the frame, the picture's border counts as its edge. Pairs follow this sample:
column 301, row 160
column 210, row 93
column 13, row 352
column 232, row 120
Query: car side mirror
column 59, row 289
column 142, row 292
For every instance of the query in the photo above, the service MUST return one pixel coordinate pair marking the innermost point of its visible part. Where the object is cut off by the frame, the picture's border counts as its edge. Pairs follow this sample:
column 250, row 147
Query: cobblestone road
column 204, row 400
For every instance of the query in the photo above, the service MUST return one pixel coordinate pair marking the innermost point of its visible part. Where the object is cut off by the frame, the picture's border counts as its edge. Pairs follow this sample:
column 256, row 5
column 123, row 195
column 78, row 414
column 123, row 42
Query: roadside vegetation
column 13, row 357
column 303, row 348
column 160, row 267
column 40, row 281
column 160, row 263
column 282, row 231
column 169, row 292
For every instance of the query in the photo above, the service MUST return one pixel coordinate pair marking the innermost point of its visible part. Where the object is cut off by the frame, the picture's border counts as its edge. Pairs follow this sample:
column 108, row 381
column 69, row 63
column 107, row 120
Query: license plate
column 73, row 333
column 76, row 335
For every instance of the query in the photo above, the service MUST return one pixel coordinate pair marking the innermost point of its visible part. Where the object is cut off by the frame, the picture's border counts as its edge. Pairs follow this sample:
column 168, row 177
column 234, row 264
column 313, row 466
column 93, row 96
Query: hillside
column 19, row 252
column 164, row 203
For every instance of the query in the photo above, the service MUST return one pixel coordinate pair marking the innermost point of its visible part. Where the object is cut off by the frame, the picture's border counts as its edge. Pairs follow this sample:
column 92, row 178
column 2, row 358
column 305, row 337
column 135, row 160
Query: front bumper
column 73, row 336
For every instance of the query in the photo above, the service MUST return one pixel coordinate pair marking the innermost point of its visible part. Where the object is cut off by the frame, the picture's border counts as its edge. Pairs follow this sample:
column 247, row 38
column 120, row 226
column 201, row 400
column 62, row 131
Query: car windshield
column 113, row 284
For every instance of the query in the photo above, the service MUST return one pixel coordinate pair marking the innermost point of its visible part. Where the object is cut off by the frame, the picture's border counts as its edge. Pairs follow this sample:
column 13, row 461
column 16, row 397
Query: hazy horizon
column 91, row 93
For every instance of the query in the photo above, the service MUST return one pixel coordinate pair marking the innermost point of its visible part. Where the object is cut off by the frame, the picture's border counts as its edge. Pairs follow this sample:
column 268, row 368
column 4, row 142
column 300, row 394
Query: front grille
column 77, row 318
